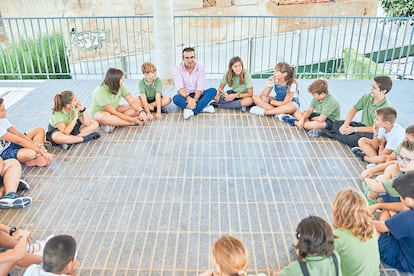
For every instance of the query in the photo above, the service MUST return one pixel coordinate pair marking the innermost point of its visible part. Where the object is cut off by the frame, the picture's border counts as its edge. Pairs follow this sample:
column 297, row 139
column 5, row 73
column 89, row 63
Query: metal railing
column 330, row 47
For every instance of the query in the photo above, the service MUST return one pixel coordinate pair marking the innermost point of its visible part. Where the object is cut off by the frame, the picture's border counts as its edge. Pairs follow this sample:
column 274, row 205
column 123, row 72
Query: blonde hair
column 148, row 67
column 230, row 255
column 350, row 211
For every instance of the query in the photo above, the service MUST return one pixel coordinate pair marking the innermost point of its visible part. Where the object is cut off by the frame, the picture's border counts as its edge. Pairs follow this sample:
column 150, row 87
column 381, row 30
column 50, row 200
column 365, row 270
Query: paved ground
column 152, row 200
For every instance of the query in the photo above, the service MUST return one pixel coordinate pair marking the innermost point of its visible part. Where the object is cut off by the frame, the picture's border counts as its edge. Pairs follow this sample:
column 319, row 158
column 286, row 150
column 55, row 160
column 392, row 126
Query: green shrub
column 43, row 58
column 358, row 66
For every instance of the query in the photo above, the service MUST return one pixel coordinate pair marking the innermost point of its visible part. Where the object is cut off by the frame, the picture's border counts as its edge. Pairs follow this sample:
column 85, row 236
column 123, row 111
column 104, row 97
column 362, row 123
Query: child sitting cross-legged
column 387, row 136
column 323, row 111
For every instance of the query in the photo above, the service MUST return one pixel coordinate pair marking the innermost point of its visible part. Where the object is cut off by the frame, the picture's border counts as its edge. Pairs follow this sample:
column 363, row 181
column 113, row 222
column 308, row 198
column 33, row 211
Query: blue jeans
column 205, row 98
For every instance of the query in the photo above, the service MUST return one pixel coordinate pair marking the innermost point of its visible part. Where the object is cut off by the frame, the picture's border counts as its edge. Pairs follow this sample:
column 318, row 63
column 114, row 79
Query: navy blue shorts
column 328, row 122
column 388, row 198
column 389, row 250
column 11, row 151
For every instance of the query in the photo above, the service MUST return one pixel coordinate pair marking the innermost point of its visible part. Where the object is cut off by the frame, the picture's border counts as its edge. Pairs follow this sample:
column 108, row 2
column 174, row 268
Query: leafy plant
column 396, row 8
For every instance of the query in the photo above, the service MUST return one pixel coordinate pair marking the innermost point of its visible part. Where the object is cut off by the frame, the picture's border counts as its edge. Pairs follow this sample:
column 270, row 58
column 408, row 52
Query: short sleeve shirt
column 366, row 262
column 401, row 227
column 236, row 86
column 37, row 270
column 280, row 91
column 394, row 137
column 317, row 265
column 102, row 97
column 365, row 103
column 62, row 116
column 328, row 106
column 150, row 90
column 4, row 126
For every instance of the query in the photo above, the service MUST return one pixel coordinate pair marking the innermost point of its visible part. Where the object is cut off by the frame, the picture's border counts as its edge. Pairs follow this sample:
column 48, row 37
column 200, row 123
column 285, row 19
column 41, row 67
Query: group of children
column 376, row 139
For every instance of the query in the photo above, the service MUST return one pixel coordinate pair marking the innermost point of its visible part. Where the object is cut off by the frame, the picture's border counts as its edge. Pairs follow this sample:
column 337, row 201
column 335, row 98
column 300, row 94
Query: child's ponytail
column 61, row 99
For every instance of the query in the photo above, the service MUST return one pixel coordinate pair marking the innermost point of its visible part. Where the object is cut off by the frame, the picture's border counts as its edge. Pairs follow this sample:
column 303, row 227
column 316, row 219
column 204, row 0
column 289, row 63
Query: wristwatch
column 12, row 230
column 238, row 95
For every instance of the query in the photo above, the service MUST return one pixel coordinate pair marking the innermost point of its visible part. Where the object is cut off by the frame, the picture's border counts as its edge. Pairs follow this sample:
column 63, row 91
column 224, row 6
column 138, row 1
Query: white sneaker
column 208, row 109
column 371, row 165
column 280, row 116
column 257, row 111
column 107, row 128
column 243, row 109
column 188, row 113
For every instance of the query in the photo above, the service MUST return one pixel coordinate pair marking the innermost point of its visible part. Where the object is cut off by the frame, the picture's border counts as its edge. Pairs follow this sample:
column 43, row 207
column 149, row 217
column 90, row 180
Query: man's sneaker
column 213, row 103
column 358, row 153
column 313, row 133
column 208, row 109
column 23, row 187
column 243, row 109
column 256, row 110
column 188, row 113
column 107, row 128
column 15, row 201
column 289, row 119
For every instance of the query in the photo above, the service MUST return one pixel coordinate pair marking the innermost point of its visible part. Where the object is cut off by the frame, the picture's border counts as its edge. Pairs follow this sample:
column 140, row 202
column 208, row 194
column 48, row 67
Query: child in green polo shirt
column 150, row 89
column 323, row 111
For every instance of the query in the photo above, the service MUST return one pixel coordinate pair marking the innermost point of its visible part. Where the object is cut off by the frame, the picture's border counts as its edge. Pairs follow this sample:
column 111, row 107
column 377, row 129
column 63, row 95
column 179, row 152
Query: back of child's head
column 58, row 252
column 230, row 74
column 148, row 67
column 404, row 184
column 230, row 255
column 350, row 211
column 318, row 87
column 315, row 237
column 290, row 71
column 61, row 100
column 112, row 79
column 387, row 114
column 384, row 83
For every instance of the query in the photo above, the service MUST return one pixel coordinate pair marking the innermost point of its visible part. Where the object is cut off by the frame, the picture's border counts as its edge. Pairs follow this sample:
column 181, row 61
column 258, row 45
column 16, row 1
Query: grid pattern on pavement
column 152, row 200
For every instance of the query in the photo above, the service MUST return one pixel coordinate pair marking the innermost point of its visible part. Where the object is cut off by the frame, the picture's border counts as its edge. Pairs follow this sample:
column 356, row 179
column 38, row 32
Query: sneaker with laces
column 289, row 119
column 256, row 110
column 107, row 128
column 188, row 113
column 23, row 187
column 280, row 116
column 208, row 109
column 357, row 151
column 313, row 133
column 15, row 201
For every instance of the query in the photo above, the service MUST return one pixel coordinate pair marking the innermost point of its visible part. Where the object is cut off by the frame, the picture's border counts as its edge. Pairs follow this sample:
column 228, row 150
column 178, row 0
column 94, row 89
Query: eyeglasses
column 404, row 159
column 192, row 57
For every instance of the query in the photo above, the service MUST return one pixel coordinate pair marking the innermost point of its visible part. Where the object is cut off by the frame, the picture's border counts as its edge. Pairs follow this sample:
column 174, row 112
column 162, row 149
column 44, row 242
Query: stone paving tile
column 152, row 200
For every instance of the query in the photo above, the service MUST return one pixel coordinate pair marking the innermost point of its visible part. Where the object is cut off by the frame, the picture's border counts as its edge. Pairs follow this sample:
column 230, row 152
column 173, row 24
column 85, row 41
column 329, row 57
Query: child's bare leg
column 105, row 118
column 30, row 259
column 369, row 146
column 313, row 125
column 37, row 135
column 288, row 108
column 60, row 138
column 372, row 195
column 86, row 130
column 259, row 101
column 167, row 100
column 248, row 101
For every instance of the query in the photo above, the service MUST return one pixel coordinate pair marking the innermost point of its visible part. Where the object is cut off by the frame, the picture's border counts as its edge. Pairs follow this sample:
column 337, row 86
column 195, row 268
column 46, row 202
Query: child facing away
column 387, row 136
column 19, row 249
column 323, row 111
column 286, row 99
column 27, row 147
column 396, row 241
column 150, row 89
column 349, row 132
column 355, row 234
column 106, row 108
column 11, row 186
column 241, row 84
column 69, row 122
column 314, row 250
column 383, row 184
column 59, row 258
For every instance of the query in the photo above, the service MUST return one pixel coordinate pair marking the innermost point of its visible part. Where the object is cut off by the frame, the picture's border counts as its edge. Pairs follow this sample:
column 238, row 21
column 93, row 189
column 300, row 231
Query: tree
column 404, row 8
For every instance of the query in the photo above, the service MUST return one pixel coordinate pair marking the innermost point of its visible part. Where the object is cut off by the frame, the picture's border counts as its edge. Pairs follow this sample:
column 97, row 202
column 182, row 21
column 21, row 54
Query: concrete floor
column 152, row 200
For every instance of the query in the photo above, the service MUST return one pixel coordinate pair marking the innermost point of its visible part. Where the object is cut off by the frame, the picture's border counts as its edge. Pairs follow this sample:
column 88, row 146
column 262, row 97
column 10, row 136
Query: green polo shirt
column 317, row 265
column 101, row 97
column 236, row 86
column 62, row 117
column 150, row 90
column 365, row 103
column 328, row 106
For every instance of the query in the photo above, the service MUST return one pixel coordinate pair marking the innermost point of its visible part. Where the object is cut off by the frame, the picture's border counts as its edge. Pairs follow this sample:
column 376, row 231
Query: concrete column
column 164, row 39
